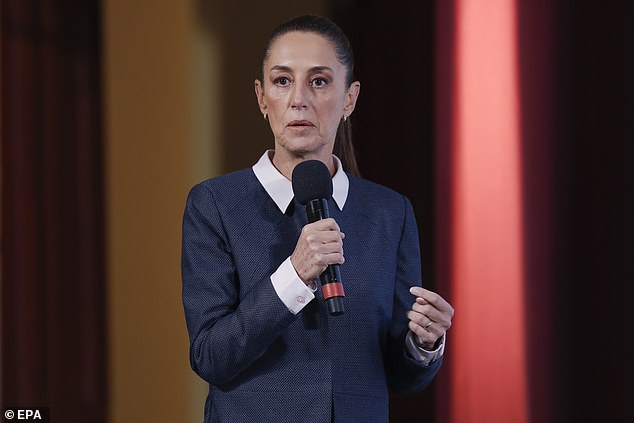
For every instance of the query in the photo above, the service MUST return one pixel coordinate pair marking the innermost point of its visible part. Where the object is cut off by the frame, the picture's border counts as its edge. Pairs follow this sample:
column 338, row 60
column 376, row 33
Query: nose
column 298, row 96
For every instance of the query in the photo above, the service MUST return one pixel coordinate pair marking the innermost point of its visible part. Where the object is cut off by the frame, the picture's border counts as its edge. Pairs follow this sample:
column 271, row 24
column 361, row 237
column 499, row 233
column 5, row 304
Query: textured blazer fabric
column 265, row 364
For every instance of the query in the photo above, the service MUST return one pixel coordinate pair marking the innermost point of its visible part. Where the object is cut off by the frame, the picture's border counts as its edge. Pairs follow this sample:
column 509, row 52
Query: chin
column 304, row 146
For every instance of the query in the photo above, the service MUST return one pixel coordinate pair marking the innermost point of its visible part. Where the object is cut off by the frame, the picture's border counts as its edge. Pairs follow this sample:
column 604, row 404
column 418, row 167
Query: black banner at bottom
column 26, row 414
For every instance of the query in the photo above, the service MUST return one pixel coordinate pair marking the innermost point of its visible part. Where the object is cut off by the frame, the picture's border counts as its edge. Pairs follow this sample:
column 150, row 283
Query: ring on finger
column 428, row 324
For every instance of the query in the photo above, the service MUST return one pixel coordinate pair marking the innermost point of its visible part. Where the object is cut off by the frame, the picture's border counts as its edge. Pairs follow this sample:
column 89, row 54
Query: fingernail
column 411, row 290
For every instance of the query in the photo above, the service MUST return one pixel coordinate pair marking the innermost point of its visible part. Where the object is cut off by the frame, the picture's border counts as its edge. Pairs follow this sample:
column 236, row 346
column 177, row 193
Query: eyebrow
column 281, row 68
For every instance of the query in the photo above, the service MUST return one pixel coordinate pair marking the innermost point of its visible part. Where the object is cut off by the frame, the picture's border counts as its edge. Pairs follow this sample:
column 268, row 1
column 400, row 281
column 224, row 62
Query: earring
column 265, row 115
column 345, row 118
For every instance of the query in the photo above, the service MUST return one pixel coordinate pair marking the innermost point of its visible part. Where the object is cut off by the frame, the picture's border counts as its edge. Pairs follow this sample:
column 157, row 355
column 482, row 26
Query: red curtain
column 484, row 236
column 53, row 282
column 549, row 343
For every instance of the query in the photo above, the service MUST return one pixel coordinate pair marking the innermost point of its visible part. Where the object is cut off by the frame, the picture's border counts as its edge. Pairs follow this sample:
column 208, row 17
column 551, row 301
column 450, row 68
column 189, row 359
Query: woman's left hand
column 430, row 317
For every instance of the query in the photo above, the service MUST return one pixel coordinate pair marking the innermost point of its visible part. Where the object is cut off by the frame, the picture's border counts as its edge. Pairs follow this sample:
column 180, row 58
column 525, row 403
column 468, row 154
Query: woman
column 259, row 329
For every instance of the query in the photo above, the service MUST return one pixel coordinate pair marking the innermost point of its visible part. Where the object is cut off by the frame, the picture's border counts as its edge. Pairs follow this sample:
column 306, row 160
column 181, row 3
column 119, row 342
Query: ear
column 351, row 98
column 259, row 94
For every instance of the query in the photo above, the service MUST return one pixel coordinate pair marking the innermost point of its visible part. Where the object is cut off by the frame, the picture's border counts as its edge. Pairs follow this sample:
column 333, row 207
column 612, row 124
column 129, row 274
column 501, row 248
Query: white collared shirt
column 280, row 189
column 293, row 292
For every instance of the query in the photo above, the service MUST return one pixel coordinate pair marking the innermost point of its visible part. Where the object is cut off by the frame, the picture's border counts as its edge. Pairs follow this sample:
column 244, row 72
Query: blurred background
column 508, row 123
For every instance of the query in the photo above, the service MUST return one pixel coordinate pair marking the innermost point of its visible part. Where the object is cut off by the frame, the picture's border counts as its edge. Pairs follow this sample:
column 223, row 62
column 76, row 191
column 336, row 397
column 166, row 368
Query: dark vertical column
column 393, row 122
column 53, row 282
column 444, row 93
column 594, row 255
column 578, row 135
column 536, row 62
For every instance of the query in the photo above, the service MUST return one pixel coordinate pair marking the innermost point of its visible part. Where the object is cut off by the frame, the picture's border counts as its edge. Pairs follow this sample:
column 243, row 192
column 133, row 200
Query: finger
column 328, row 224
column 420, row 319
column 421, row 301
column 324, row 237
column 441, row 319
column 427, row 310
column 330, row 248
column 423, row 324
column 435, row 329
column 422, row 334
column 332, row 258
column 432, row 298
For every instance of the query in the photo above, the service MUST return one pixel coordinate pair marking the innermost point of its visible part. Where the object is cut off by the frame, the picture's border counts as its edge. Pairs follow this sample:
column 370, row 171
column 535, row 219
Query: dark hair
column 343, row 148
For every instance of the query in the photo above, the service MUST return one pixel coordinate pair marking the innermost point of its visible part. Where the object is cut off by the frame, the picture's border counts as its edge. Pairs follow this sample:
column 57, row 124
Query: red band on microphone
column 334, row 289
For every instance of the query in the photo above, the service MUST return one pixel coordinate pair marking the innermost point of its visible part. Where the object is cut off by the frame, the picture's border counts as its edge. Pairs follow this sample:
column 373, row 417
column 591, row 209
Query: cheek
column 276, row 108
column 330, row 106
column 275, row 98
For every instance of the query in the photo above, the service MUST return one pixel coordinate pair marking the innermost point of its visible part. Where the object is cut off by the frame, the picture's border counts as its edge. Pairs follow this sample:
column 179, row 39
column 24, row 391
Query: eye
column 318, row 82
column 282, row 81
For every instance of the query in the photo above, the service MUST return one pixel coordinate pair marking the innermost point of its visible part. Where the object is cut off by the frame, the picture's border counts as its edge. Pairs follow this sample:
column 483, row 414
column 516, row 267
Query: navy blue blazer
column 266, row 364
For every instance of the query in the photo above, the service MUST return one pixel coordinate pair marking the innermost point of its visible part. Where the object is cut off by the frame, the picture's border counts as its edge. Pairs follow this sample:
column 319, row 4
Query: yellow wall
column 179, row 107
column 148, row 150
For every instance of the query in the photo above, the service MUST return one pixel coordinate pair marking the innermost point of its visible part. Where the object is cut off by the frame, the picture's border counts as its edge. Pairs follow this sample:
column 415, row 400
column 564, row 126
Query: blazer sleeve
column 227, row 333
column 405, row 374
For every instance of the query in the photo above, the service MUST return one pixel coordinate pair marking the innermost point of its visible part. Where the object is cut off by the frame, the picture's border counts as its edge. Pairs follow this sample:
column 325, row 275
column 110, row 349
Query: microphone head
column 311, row 181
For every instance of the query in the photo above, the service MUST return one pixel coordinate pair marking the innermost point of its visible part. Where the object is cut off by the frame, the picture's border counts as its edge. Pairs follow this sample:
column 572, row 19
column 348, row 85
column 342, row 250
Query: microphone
column 312, row 186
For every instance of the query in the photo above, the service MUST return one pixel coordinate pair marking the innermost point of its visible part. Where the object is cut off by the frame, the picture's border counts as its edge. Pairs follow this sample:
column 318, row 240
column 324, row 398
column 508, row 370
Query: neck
column 285, row 163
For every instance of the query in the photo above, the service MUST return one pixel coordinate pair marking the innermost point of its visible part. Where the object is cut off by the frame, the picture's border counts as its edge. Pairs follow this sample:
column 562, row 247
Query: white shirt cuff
column 290, row 288
column 422, row 355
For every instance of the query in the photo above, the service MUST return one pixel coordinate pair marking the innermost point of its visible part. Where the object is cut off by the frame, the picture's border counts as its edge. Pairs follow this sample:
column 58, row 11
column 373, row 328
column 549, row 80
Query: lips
column 300, row 124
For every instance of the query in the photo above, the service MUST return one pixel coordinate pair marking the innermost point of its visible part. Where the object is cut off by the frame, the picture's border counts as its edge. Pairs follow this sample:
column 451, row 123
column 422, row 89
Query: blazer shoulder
column 371, row 194
column 229, row 189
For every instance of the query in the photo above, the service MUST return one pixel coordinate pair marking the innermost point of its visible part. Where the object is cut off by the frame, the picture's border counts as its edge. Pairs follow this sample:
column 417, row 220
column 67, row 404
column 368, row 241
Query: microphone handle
column 331, row 286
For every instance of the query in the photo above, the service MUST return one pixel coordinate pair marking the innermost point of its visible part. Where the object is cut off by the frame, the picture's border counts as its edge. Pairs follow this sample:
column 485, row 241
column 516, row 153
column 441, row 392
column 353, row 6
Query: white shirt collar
column 280, row 189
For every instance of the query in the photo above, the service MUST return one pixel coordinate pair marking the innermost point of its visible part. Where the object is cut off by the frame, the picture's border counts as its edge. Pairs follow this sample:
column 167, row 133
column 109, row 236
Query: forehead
column 302, row 49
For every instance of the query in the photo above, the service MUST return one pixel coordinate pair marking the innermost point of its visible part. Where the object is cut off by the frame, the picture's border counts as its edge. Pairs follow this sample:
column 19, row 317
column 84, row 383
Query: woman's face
column 304, row 94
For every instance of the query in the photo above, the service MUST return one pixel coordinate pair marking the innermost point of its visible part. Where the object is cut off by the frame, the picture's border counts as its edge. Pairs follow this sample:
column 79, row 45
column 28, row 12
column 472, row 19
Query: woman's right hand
column 319, row 244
